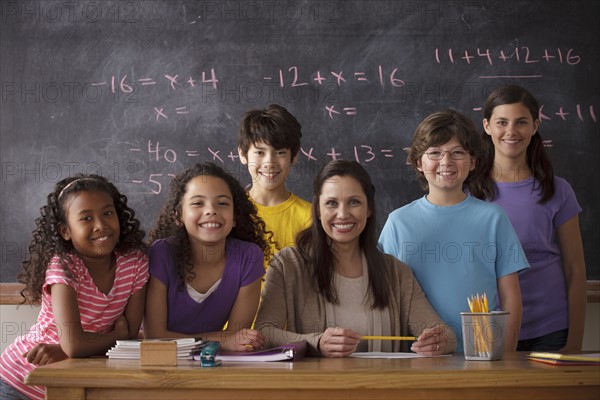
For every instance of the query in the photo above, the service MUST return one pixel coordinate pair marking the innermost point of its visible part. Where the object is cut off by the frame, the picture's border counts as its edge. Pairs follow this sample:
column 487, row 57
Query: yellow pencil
column 388, row 337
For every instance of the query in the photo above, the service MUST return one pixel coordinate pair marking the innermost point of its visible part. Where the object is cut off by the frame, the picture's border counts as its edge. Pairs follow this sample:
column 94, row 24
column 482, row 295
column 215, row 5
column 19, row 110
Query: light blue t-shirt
column 455, row 252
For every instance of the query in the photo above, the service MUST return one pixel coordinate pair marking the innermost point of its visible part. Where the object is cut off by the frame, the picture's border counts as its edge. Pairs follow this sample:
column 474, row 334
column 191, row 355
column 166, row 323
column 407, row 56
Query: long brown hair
column 537, row 158
column 313, row 242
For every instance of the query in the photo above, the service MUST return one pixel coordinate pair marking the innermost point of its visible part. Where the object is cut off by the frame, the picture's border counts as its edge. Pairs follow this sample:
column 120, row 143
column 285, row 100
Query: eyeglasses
column 455, row 154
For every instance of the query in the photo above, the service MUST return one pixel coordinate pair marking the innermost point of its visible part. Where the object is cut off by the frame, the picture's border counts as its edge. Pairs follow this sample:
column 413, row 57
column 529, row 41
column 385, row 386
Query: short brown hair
column 437, row 129
column 273, row 125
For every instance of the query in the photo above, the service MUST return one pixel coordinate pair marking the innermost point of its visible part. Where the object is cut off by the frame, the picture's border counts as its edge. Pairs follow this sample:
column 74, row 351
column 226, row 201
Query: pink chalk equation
column 518, row 54
column 174, row 82
column 162, row 155
column 330, row 89
column 579, row 112
column 287, row 77
column 294, row 77
column 563, row 113
column 362, row 153
column 332, row 111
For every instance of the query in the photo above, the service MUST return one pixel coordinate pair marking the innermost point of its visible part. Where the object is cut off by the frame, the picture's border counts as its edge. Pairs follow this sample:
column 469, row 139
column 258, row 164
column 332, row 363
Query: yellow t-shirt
column 285, row 220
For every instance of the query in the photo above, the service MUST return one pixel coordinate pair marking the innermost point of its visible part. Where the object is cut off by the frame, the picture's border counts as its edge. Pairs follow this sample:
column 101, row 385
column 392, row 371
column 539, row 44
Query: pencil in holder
column 483, row 334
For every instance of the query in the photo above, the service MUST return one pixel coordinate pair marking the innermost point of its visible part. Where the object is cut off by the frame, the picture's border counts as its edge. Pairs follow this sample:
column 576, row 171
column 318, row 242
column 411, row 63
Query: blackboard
column 140, row 90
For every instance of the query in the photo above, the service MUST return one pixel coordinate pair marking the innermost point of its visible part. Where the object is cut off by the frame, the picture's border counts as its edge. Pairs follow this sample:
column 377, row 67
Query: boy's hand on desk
column 44, row 353
column 338, row 342
column 244, row 340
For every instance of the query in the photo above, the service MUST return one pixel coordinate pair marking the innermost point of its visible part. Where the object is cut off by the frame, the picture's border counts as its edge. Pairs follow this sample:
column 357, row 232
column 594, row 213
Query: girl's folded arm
column 134, row 312
column 73, row 340
column 155, row 320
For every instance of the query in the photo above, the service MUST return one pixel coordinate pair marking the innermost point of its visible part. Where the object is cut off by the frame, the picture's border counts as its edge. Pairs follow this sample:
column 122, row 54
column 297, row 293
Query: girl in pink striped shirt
column 88, row 268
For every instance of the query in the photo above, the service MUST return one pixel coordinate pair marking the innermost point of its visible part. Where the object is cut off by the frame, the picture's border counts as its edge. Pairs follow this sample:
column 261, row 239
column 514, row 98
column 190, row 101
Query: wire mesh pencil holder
column 483, row 334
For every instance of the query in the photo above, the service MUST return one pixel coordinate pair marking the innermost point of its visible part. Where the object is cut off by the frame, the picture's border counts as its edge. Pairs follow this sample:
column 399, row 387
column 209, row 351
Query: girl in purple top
column 544, row 212
column 206, row 262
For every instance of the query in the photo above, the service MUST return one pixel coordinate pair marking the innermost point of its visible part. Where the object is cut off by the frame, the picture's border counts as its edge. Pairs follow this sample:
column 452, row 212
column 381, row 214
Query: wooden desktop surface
column 451, row 377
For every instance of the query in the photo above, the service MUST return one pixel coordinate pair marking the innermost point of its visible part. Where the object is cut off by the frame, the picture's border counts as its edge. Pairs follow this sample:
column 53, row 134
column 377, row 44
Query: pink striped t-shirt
column 98, row 311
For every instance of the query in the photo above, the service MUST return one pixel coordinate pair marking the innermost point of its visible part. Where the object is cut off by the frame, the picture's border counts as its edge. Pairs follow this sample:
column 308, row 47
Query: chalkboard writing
column 139, row 90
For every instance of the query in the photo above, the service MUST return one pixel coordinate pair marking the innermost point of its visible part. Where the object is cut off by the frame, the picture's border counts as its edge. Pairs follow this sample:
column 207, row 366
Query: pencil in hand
column 388, row 337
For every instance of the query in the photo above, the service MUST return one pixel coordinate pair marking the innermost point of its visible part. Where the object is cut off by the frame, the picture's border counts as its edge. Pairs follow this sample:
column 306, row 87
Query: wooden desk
column 314, row 378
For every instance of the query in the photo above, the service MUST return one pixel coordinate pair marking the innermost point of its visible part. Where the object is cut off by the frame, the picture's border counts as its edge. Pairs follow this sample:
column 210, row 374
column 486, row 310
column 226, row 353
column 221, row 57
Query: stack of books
column 130, row 349
column 565, row 359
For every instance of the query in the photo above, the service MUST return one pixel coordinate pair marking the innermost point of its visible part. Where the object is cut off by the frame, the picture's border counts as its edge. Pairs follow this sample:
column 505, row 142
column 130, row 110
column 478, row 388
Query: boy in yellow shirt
column 268, row 143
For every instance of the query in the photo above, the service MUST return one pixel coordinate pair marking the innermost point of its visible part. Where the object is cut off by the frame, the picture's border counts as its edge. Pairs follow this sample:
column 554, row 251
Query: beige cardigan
column 291, row 310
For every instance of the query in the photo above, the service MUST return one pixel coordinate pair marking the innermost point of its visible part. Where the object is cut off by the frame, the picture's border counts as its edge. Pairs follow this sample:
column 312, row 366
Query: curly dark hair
column 248, row 227
column 47, row 241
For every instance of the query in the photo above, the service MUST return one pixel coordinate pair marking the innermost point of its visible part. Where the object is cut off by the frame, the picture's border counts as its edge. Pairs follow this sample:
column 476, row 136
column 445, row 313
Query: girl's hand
column 431, row 342
column 243, row 340
column 338, row 342
column 121, row 328
column 44, row 353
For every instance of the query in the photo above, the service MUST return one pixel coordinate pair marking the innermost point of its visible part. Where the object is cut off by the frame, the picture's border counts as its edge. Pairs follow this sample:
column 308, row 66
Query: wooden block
column 158, row 353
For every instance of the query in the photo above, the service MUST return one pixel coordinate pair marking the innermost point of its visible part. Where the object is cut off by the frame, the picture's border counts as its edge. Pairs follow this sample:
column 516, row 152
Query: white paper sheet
column 380, row 354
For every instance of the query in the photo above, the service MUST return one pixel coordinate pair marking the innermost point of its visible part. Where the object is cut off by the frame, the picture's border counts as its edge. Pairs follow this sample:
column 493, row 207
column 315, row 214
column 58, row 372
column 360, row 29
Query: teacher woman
column 336, row 285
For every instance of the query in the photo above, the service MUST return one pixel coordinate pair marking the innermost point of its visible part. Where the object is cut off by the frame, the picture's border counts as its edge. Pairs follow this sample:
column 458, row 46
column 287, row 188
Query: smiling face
column 268, row 167
column 446, row 175
column 92, row 224
column 343, row 209
column 207, row 210
column 511, row 127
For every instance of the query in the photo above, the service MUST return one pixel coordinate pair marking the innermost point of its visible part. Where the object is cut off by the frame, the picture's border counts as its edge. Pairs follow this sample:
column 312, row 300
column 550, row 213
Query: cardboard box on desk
column 158, row 353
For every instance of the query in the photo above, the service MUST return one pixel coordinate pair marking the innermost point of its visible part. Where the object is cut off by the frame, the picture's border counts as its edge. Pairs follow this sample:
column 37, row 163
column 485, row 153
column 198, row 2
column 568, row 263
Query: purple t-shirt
column 543, row 288
column 244, row 264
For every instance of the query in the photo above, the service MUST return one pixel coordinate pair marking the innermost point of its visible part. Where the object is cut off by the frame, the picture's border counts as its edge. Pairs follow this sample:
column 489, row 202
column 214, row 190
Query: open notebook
column 289, row 352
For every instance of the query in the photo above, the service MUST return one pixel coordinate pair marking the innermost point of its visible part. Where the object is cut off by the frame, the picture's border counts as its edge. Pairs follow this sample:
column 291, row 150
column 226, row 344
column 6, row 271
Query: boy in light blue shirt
column 456, row 245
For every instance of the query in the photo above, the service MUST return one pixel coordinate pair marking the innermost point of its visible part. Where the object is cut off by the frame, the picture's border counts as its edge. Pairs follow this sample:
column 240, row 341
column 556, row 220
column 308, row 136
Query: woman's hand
column 45, row 353
column 431, row 342
column 338, row 342
column 243, row 340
